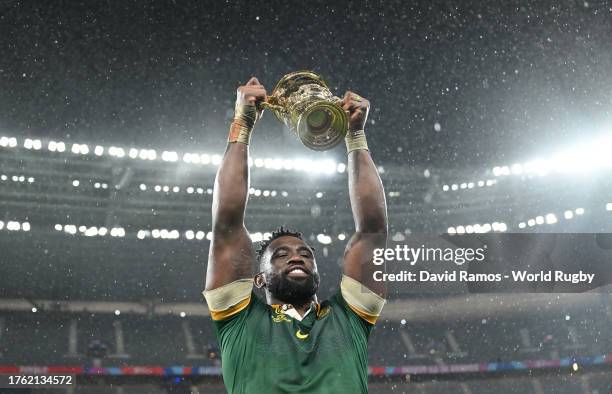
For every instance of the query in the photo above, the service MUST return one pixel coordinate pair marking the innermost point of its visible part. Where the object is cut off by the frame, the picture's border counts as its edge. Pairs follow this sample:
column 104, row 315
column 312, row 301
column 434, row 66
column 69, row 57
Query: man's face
column 290, row 270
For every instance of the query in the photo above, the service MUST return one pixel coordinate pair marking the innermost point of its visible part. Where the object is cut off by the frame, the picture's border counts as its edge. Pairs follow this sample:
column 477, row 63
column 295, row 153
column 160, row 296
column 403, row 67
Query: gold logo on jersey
column 300, row 335
column 279, row 316
column 323, row 312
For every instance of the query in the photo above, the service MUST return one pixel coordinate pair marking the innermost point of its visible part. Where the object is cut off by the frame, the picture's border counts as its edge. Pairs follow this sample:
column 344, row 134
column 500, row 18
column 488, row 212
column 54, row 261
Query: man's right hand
column 248, row 96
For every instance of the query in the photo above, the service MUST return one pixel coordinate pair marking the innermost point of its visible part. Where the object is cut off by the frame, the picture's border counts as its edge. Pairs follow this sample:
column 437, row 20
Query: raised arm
column 231, row 253
column 367, row 200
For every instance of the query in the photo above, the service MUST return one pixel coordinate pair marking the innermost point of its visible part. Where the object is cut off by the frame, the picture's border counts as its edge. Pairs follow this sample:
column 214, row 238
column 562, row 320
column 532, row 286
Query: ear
column 260, row 280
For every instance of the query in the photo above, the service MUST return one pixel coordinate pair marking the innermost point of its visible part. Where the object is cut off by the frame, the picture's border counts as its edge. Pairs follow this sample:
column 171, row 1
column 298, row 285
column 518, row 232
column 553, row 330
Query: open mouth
column 297, row 272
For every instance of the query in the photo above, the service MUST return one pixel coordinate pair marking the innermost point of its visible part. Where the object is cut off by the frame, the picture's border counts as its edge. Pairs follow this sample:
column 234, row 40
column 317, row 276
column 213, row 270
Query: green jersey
column 264, row 350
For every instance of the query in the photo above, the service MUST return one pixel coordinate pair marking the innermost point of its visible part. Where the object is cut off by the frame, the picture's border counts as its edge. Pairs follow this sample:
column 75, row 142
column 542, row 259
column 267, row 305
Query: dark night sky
column 503, row 81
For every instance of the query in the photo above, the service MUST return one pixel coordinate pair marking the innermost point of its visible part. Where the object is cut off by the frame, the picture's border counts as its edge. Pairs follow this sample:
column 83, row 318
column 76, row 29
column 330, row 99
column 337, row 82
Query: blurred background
column 485, row 118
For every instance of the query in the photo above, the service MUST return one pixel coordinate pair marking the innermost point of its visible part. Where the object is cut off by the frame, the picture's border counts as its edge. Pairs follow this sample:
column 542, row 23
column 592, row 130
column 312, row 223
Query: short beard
column 290, row 291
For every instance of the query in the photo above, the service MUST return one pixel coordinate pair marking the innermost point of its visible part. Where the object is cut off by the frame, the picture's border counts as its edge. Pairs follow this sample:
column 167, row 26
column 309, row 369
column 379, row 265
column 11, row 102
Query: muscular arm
column 369, row 209
column 231, row 253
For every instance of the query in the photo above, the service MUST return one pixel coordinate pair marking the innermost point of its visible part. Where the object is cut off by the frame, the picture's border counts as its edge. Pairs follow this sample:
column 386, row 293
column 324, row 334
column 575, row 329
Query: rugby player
column 291, row 342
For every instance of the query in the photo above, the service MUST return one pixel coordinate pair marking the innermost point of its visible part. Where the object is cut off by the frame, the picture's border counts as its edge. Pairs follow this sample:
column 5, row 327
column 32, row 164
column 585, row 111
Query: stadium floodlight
column 200, row 235
column 205, row 158
column 58, row 227
column 551, row 218
column 12, row 142
column 451, row 231
column 190, row 190
column 481, row 183
column 143, row 187
column 266, row 193
column 517, row 169
column 609, row 206
column 568, row 214
column 102, row 231
column 4, row 141
column 1, row 224
column 341, row 236
column 117, row 312
column 75, row 183
column 166, row 188
column 189, row 234
column 27, row 143
column 182, row 314
column 445, row 188
column 176, row 189
column 82, row 229
column 273, row 193
column 141, row 234
column 454, row 186
column 22, row 178
column 579, row 211
column 31, row 179
column 76, row 148
column 257, row 192
column 34, row 309
column 209, row 235
column 259, row 162
column 61, row 147
column 200, row 190
column 324, row 239
column 216, row 160
column 84, row 149
column 284, row 193
column 531, row 222
column 257, row 237
column 3, row 177
column 99, row 150
column 522, row 225
column 539, row 219
column 133, row 153
column 470, row 185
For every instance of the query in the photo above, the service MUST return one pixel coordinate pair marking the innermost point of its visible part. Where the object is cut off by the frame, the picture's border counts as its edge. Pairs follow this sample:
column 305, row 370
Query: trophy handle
column 271, row 103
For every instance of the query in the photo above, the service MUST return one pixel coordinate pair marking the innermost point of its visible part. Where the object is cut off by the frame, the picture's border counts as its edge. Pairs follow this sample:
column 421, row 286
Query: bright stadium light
column 609, row 206
column 324, row 239
column 99, row 150
column 579, row 211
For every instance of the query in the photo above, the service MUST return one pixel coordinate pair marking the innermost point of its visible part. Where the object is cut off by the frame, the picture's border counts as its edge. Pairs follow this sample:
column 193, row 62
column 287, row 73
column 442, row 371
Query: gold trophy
column 303, row 102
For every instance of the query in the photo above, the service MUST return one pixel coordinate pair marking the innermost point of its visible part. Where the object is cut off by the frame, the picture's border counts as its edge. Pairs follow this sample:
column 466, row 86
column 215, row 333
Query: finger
column 253, row 81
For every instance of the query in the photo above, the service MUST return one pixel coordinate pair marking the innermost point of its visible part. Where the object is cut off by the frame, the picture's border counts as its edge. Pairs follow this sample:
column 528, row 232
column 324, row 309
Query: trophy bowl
column 304, row 103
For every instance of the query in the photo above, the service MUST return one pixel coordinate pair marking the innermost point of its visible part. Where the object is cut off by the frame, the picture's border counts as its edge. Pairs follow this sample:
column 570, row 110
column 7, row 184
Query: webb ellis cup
column 304, row 103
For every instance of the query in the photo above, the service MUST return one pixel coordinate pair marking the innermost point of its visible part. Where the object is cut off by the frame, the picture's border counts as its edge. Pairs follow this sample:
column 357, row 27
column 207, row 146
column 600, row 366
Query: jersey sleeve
column 362, row 301
column 230, row 299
